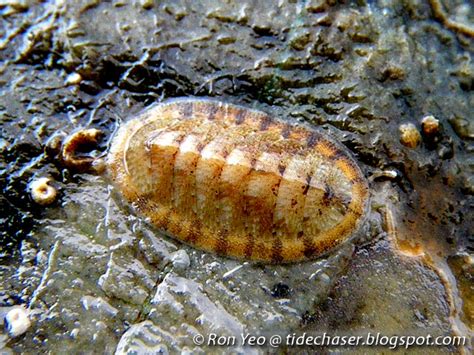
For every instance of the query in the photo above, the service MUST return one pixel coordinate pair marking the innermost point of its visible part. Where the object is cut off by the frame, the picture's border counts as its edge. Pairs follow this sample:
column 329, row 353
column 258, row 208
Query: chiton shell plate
column 234, row 181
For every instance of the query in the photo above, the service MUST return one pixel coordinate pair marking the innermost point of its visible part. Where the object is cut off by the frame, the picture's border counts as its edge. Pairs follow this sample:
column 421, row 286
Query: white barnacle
column 17, row 321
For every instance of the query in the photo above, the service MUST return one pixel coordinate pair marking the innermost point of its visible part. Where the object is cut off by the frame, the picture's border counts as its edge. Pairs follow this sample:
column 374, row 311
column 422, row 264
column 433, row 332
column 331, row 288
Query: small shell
column 72, row 145
column 42, row 192
column 234, row 181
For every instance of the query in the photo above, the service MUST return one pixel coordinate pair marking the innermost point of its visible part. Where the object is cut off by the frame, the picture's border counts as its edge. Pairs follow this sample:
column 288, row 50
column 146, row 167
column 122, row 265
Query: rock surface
column 96, row 278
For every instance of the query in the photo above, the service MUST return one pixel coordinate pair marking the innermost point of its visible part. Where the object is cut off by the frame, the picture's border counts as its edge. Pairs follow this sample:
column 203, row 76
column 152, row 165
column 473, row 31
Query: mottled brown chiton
column 235, row 181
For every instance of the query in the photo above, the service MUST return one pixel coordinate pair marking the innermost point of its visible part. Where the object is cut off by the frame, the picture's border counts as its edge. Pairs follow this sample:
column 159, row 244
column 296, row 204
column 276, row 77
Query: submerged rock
column 100, row 280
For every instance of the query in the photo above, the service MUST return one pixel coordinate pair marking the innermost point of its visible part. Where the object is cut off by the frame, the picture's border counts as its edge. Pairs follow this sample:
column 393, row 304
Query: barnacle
column 409, row 135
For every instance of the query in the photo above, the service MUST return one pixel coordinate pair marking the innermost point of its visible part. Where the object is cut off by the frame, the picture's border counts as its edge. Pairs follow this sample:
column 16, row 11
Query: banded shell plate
column 234, row 181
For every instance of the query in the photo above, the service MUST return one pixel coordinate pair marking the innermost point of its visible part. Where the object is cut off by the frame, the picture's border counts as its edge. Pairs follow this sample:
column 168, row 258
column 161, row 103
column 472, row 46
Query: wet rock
column 317, row 5
column 126, row 279
column 147, row 4
column 99, row 306
column 392, row 72
column 381, row 293
column 156, row 249
column 185, row 298
column 226, row 39
column 147, row 338
column 469, row 184
column 3, row 345
column 180, row 260
column 280, row 290
column 52, row 146
column 28, row 252
column 445, row 150
column 462, row 265
column 300, row 39
column 79, row 245
column 463, row 128
column 355, row 71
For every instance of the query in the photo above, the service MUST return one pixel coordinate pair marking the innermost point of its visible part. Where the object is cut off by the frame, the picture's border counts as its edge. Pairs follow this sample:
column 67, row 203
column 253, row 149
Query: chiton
column 234, row 181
